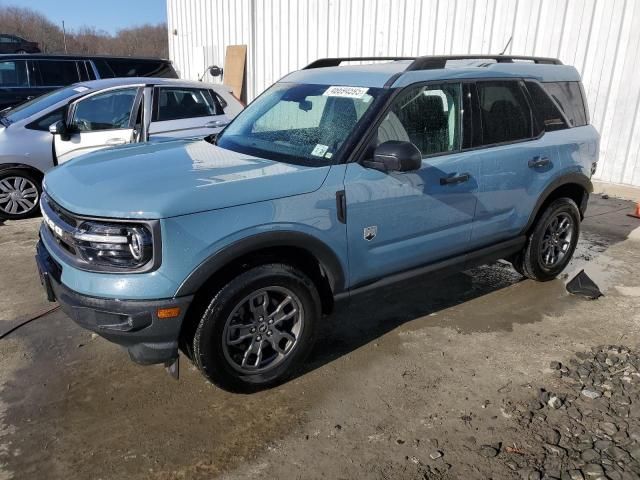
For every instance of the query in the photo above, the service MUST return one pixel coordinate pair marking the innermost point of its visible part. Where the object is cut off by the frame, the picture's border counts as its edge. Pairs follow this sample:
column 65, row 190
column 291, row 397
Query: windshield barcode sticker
column 348, row 92
column 319, row 150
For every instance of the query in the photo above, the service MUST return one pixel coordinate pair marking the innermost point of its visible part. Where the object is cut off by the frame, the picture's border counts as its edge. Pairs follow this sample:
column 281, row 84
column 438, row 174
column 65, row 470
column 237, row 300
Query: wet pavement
column 422, row 367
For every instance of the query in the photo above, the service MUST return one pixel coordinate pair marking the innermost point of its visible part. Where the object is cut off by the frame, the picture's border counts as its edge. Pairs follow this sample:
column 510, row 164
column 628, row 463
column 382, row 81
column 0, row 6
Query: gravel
column 587, row 426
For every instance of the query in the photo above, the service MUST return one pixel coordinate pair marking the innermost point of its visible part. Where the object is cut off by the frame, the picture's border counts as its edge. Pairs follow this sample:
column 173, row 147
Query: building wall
column 601, row 38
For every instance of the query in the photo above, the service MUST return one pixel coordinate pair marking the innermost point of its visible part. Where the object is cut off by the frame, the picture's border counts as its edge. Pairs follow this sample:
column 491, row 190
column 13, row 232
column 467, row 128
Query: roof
column 399, row 73
column 44, row 56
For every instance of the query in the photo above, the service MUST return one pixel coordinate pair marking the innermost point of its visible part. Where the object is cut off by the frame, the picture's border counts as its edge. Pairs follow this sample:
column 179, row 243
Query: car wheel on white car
column 19, row 194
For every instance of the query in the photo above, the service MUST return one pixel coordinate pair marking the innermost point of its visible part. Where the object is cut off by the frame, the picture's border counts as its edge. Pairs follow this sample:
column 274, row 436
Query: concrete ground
column 431, row 366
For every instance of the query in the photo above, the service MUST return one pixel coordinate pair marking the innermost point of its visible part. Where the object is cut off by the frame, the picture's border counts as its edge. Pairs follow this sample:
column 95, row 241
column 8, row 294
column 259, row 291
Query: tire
column 556, row 231
column 241, row 325
column 20, row 192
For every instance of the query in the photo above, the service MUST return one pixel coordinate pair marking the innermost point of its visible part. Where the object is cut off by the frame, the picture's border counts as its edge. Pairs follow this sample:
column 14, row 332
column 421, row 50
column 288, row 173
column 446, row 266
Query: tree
column 145, row 40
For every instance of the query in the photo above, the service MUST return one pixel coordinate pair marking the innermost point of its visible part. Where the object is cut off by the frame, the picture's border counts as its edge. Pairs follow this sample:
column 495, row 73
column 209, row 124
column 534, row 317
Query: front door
column 400, row 220
column 100, row 120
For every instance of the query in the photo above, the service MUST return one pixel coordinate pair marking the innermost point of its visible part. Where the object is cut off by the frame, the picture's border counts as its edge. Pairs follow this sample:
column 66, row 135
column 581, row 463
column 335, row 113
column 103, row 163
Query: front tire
column 258, row 329
column 552, row 242
column 20, row 192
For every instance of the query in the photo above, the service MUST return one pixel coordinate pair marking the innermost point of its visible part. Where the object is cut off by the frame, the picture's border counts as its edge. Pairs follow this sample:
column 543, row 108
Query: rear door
column 514, row 159
column 185, row 112
column 99, row 120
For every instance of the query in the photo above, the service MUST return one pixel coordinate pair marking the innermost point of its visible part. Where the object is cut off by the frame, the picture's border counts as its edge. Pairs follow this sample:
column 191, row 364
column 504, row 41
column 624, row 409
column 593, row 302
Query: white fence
column 601, row 38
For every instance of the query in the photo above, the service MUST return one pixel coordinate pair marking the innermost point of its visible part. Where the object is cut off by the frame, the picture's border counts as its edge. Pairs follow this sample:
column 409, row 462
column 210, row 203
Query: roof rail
column 431, row 62
column 336, row 61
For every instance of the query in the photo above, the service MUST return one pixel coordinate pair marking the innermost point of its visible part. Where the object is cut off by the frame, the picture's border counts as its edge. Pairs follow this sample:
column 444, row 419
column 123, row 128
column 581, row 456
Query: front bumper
column 133, row 324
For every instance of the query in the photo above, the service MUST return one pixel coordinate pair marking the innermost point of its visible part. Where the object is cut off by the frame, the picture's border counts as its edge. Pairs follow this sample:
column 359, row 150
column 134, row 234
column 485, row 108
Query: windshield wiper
column 4, row 120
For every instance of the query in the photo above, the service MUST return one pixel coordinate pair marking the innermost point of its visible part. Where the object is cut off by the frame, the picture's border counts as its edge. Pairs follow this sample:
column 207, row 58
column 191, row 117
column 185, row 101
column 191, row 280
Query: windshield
column 37, row 105
column 303, row 124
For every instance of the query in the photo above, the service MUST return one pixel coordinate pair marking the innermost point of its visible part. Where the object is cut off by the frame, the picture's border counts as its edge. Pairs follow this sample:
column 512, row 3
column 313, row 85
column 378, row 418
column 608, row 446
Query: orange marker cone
column 635, row 214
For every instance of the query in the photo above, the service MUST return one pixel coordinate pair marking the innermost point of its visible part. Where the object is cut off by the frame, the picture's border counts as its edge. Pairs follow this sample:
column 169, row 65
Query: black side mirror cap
column 395, row 156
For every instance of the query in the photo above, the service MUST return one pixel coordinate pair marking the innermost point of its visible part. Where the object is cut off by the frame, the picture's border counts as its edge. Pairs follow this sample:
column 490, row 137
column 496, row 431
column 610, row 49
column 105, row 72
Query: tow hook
column 173, row 368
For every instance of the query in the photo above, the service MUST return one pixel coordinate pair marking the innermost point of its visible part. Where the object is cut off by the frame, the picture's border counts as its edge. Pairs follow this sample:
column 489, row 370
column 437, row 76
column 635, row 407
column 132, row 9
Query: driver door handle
column 536, row 162
column 116, row 141
column 455, row 179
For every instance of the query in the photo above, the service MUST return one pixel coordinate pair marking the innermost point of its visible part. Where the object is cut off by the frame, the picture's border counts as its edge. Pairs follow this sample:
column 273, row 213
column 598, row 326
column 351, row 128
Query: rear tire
column 258, row 329
column 551, row 243
column 20, row 192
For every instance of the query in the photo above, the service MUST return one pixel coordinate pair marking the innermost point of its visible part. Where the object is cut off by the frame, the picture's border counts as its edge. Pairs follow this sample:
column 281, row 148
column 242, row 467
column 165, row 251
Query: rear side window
column 176, row 103
column 504, row 112
column 140, row 68
column 568, row 95
column 56, row 73
column 548, row 113
column 103, row 68
column 13, row 73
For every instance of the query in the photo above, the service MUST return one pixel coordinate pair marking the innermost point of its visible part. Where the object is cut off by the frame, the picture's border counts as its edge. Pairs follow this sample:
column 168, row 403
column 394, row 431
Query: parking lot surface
column 430, row 379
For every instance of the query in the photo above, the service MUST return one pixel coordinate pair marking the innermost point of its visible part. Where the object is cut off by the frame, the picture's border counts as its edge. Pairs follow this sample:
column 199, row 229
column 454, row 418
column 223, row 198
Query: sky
column 108, row 15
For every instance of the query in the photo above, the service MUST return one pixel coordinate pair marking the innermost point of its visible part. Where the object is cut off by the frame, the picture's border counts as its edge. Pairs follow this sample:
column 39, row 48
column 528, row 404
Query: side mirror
column 215, row 71
column 395, row 156
column 59, row 128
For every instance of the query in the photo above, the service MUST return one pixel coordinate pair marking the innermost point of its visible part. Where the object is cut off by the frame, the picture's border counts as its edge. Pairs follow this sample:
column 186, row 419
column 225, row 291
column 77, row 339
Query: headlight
column 126, row 246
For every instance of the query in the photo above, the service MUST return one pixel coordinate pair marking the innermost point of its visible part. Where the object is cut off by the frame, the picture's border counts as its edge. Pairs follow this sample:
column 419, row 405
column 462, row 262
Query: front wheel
column 258, row 328
column 19, row 194
column 551, row 244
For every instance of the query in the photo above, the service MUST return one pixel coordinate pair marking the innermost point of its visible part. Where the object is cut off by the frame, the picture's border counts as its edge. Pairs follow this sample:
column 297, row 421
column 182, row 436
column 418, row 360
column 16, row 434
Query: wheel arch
column 22, row 166
column 301, row 249
column 576, row 186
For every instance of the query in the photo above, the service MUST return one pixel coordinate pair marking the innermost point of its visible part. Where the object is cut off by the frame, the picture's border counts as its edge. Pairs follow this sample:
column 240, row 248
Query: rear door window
column 504, row 112
column 568, row 95
column 13, row 73
column 56, row 73
column 174, row 103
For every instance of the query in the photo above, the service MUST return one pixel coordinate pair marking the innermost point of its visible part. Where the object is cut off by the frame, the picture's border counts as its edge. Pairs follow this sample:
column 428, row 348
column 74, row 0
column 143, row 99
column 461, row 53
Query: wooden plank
column 235, row 65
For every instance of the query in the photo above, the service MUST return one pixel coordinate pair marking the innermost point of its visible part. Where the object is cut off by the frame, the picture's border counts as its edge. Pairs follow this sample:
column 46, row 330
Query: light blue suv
column 336, row 180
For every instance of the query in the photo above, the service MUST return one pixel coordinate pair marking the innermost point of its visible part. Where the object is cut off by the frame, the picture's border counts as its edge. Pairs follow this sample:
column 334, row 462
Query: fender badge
column 370, row 233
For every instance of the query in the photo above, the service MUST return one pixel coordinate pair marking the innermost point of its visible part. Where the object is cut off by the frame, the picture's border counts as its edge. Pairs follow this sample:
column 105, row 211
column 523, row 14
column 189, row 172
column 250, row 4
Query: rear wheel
column 551, row 244
column 257, row 329
column 19, row 194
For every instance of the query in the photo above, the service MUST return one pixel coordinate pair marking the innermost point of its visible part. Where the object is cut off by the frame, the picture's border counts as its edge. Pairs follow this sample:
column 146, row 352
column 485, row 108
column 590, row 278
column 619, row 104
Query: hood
column 173, row 178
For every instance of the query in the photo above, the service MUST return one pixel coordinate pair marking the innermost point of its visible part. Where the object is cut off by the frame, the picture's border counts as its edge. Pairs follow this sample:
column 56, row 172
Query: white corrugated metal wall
column 601, row 38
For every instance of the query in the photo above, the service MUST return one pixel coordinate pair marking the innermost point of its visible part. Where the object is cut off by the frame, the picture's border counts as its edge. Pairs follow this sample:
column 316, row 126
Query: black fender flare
column 322, row 252
column 575, row 178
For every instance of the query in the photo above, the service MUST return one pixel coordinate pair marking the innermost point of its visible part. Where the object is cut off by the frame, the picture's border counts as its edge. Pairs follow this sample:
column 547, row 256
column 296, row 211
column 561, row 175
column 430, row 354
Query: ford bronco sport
column 336, row 180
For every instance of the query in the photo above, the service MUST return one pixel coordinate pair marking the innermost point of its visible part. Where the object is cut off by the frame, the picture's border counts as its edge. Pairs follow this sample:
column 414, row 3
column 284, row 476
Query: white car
column 87, row 116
